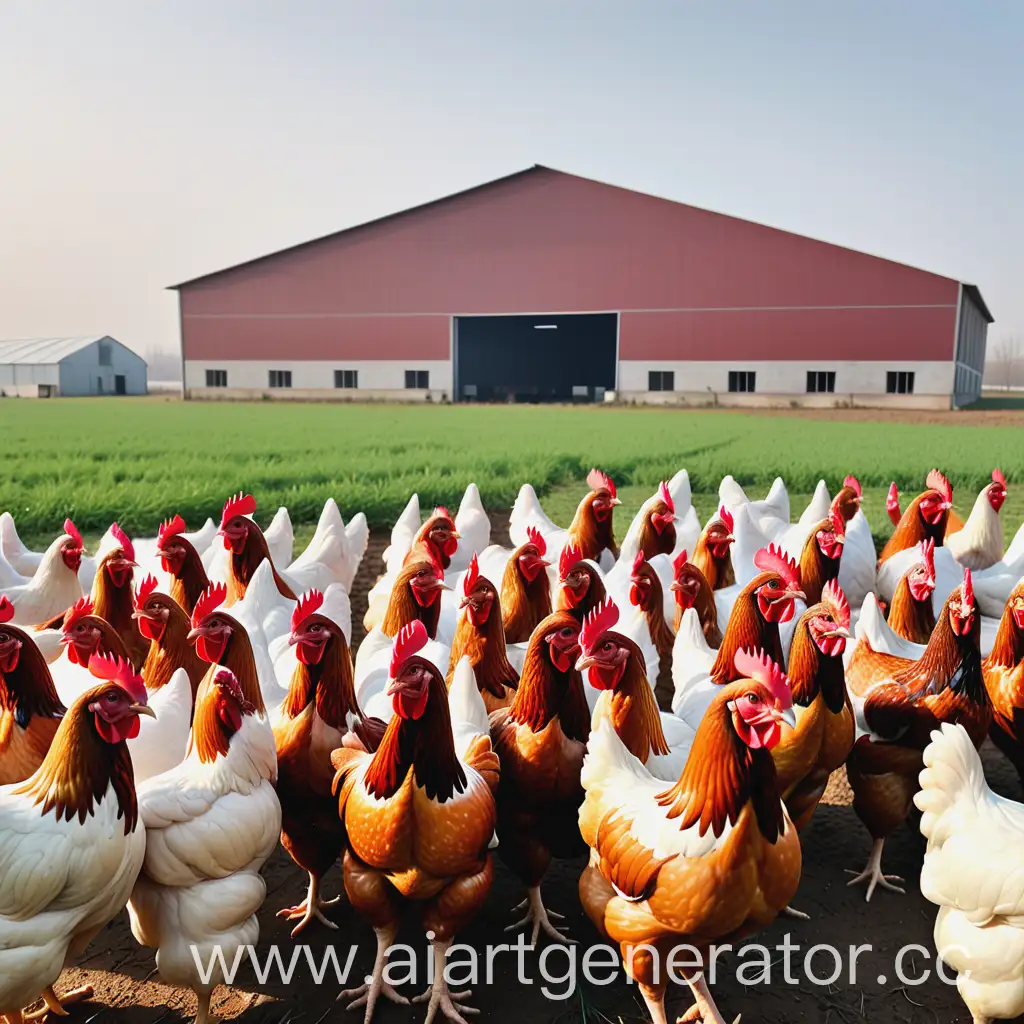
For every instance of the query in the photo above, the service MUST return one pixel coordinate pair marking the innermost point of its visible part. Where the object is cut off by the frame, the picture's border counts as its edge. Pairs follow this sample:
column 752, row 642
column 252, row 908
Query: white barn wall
column 81, row 371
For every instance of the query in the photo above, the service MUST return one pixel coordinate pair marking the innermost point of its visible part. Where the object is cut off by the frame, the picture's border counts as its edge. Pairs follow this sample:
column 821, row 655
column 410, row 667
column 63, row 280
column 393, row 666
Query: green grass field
column 138, row 460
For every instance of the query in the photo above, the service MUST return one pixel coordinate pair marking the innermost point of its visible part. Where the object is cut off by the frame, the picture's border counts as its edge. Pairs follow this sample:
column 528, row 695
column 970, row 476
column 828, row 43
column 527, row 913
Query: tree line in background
column 1004, row 367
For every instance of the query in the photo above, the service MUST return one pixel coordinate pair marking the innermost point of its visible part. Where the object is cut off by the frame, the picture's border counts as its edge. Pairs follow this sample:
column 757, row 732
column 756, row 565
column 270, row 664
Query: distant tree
column 1005, row 369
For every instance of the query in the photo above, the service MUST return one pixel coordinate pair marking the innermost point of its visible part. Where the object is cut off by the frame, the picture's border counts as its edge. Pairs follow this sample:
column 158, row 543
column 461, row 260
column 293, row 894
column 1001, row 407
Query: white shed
column 47, row 367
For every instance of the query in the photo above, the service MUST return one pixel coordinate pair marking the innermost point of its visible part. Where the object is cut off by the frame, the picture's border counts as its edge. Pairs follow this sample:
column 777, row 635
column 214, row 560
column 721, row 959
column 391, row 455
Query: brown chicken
column 525, row 589
column 541, row 740
column 112, row 596
column 437, row 539
column 181, row 560
column 420, row 815
column 899, row 704
column 692, row 590
column 657, row 535
column 480, row 635
column 85, row 633
column 591, row 530
column 248, row 547
column 580, row 586
column 30, row 710
column 1004, row 679
column 912, row 613
column 415, row 595
column 708, row 860
column 646, row 593
column 164, row 622
column 821, row 555
column 926, row 518
column 712, row 555
column 848, row 499
column 318, row 714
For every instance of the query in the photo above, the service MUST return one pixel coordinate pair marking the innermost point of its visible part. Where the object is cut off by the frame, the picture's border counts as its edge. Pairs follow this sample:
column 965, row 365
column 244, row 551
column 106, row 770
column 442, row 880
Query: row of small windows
column 414, row 379
column 897, row 382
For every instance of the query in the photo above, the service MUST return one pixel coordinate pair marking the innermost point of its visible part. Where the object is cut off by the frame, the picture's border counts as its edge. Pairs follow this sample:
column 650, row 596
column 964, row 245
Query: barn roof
column 972, row 290
column 36, row 351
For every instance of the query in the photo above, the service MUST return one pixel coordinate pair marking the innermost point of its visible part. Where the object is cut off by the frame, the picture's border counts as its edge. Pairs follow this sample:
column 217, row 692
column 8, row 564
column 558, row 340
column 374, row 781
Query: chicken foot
column 310, row 909
column 203, row 1015
column 872, row 874
column 368, row 994
column 439, row 997
column 58, row 1007
column 704, row 1010
column 541, row 918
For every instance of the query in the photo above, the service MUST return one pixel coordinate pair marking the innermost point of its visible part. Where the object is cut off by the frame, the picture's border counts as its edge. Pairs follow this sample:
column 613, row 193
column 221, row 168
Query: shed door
column 119, row 385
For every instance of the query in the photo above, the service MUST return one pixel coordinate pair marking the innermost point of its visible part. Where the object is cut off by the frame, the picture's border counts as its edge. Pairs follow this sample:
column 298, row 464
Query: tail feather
column 731, row 494
column 10, row 543
column 466, row 705
column 952, row 784
column 817, row 508
column 280, row 537
column 607, row 758
column 777, row 500
column 682, row 495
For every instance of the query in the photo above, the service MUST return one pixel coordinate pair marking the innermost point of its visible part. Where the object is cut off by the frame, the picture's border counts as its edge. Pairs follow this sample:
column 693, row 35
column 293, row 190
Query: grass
column 139, row 461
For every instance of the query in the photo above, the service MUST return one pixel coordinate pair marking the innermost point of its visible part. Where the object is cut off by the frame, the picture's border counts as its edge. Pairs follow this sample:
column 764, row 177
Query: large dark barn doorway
column 535, row 358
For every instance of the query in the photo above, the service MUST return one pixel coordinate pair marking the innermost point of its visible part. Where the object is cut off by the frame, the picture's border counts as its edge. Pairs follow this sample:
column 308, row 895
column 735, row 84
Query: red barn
column 544, row 286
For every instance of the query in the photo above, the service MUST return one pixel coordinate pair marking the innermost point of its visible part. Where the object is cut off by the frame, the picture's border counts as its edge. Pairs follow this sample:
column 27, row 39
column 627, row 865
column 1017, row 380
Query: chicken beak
column 675, row 586
column 194, row 635
column 456, row 535
column 787, row 716
column 394, row 686
column 293, row 639
column 143, row 709
column 465, row 603
column 584, row 662
column 796, row 592
column 616, row 501
column 441, row 585
column 840, row 631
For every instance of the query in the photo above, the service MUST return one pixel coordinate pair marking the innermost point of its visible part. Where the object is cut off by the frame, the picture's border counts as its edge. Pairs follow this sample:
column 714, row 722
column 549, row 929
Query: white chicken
column 979, row 543
column 25, row 562
column 71, row 844
column 211, row 823
column 55, row 585
column 972, row 872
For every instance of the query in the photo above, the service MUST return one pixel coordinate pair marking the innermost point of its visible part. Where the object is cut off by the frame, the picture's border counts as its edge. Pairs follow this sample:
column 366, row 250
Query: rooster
column 615, row 668
column 420, row 815
column 480, row 636
column 656, row 531
column 898, row 703
column 211, row 823
column 706, row 861
column 70, row 842
column 768, row 600
column 541, row 740
column 83, row 634
column 437, row 539
column 591, row 530
column 978, row 544
column 580, row 583
column 525, row 589
column 821, row 555
column 319, row 712
column 712, row 553
column 925, row 518
column 690, row 589
column 112, row 595
column 972, row 873
column 30, row 710
column 182, row 562
column 1004, row 679
column 911, row 612
column 54, row 586
column 166, row 625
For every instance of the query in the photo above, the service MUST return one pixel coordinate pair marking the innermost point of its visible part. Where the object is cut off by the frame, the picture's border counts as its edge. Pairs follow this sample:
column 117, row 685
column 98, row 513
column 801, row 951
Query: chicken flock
column 675, row 704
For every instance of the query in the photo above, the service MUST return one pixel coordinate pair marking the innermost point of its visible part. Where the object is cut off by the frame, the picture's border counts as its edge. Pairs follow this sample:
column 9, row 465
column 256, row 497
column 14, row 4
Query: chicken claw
column 367, row 995
column 56, row 1006
column 704, row 1010
column 440, row 998
column 309, row 909
column 541, row 919
column 794, row 914
column 872, row 874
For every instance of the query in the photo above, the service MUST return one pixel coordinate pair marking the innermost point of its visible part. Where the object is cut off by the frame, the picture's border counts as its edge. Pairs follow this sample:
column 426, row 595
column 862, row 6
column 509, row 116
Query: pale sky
column 145, row 143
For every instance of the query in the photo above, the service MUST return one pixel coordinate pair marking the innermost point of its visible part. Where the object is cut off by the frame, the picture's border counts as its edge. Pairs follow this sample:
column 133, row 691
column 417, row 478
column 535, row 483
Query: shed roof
column 36, row 351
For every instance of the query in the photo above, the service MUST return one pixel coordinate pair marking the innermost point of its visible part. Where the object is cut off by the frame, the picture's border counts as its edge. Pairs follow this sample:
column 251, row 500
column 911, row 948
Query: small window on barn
column 216, row 378
column 899, row 382
column 346, row 378
column 280, row 378
column 821, row 381
column 104, row 354
column 661, row 380
column 742, row 380
column 417, row 379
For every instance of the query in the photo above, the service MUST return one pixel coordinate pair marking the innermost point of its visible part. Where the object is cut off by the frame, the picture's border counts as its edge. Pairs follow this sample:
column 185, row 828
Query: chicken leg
column 58, row 1007
column 704, row 1009
column 872, row 874
column 203, row 1013
column 310, row 909
column 541, row 918
column 439, row 997
column 375, row 986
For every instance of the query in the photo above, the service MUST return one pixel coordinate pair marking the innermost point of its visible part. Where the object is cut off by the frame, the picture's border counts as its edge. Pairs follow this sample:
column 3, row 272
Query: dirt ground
column 942, row 417
column 126, row 988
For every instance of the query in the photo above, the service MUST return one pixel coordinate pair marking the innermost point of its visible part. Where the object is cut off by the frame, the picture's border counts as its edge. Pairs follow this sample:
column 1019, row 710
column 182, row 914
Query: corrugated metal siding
column 549, row 242
column 81, row 372
column 970, row 351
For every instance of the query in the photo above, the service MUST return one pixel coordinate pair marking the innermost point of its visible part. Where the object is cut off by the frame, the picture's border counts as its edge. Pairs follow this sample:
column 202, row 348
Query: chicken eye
column 112, row 698
column 567, row 632
column 773, row 584
column 315, row 628
column 753, row 698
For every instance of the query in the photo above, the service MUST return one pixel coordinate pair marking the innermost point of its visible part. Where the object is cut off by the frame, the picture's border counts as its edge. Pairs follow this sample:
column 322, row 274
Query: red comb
column 757, row 665
column 146, row 587
column 600, row 481
column 81, row 608
column 442, row 513
column 570, row 555
column 597, row 623
column 411, row 639
column 935, row 481
column 666, row 497
column 6, row 608
column 927, row 548
column 773, row 559
column 892, row 503
column 120, row 671
column 72, row 531
column 170, row 528
column 968, row 589
column 678, row 562
column 536, row 538
column 210, row 599
column 998, row 478
column 638, row 561
column 469, row 581
column 124, row 542
column 852, row 481
column 726, row 516
column 309, row 603
column 240, row 505
column 832, row 595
